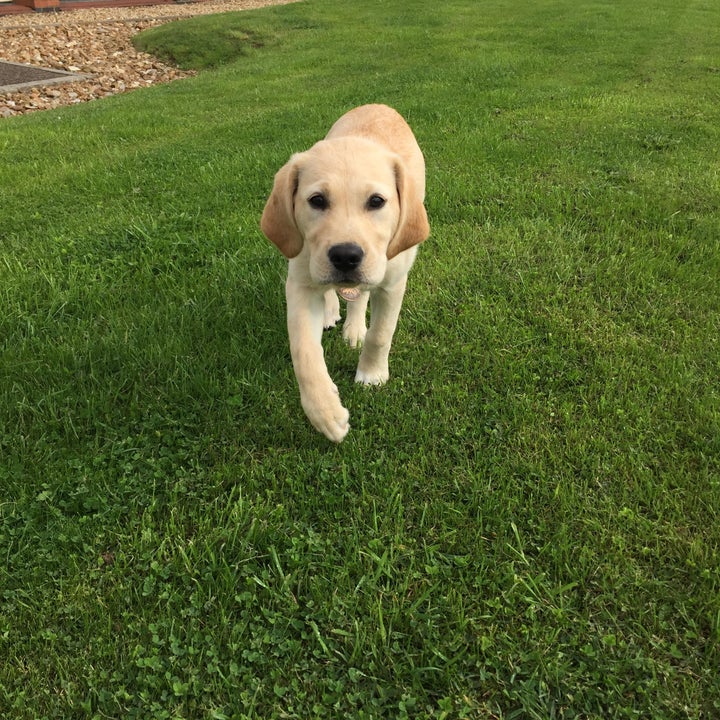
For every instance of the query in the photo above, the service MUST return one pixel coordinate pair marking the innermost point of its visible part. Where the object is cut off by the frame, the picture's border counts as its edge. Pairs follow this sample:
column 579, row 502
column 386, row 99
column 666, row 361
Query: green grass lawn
column 522, row 524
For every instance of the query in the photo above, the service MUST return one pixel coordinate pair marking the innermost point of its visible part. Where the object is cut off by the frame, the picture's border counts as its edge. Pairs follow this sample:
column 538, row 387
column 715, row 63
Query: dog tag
column 349, row 294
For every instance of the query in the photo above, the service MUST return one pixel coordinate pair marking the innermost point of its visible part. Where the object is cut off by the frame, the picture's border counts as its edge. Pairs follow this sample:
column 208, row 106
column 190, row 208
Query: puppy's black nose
column 346, row 256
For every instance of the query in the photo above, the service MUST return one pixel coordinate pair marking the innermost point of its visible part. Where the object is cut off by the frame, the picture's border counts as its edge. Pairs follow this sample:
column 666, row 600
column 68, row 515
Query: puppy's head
column 348, row 205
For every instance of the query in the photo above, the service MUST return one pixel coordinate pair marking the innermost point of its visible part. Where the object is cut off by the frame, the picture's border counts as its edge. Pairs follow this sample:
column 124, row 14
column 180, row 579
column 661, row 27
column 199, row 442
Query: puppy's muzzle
column 346, row 257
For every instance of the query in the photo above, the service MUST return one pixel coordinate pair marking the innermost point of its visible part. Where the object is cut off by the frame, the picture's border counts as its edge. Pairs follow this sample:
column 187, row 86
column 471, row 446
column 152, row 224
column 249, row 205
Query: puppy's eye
column 375, row 202
column 318, row 201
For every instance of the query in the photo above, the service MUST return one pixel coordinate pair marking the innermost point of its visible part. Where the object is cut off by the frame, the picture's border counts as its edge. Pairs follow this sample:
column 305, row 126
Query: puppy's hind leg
column 354, row 328
column 332, row 309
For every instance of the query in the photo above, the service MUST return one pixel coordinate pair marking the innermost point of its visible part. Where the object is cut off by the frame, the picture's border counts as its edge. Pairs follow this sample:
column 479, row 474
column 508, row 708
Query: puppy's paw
column 330, row 320
column 354, row 333
column 328, row 416
column 372, row 375
column 332, row 310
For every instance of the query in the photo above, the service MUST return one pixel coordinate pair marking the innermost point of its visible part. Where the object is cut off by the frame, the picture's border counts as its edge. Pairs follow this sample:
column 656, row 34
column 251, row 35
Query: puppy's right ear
column 278, row 218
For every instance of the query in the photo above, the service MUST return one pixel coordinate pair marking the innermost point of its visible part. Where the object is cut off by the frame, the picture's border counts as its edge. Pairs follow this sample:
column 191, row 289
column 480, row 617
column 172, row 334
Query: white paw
column 330, row 320
column 372, row 376
column 332, row 310
column 328, row 416
column 354, row 334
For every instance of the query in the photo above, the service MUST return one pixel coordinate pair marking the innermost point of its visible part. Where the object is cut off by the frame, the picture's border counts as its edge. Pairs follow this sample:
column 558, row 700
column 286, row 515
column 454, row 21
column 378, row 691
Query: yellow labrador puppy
column 348, row 213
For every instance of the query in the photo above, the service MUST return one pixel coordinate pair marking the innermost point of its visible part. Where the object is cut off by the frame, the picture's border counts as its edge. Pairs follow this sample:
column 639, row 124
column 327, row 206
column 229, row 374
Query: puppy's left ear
column 413, row 226
column 278, row 218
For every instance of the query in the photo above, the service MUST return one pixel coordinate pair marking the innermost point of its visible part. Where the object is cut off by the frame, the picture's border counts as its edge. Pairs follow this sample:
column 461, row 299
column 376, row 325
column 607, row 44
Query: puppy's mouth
column 349, row 286
column 349, row 293
column 344, row 278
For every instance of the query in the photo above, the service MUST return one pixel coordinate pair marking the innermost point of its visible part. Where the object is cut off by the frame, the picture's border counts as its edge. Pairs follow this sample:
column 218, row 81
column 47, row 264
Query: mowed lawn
column 522, row 524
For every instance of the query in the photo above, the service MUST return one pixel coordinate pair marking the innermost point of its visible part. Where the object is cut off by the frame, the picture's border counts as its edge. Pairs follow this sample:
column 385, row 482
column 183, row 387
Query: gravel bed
column 95, row 42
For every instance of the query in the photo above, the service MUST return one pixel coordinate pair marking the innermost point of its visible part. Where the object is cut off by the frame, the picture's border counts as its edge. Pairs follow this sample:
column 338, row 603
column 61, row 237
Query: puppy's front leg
column 385, row 304
column 318, row 394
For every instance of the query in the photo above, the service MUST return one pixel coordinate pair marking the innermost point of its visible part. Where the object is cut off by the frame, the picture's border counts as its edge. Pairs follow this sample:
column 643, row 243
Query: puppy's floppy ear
column 413, row 226
column 278, row 218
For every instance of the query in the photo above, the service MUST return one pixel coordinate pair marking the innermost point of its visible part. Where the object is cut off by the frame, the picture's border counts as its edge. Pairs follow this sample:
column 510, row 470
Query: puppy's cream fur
column 347, row 213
